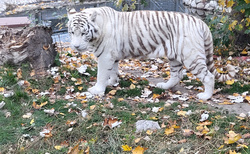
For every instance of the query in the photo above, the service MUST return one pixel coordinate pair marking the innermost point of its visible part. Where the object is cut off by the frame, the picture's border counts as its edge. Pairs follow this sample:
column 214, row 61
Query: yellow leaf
column 182, row 113
column 175, row 126
column 230, row 3
column 244, row 52
column 58, row 147
column 84, row 101
column 132, row 86
column 137, row 140
column 126, row 148
column 242, row 146
column 223, row 19
column 79, row 81
column 112, row 92
column 92, row 107
column 247, row 1
column 169, row 131
column 32, row 73
column 160, row 109
column 32, row 121
column 84, row 56
column 80, row 88
column 181, row 150
column 139, row 150
column 199, row 128
column 19, row 73
column 221, row 147
column 133, row 114
column 232, row 137
column 230, row 82
column 120, row 99
column 232, row 152
column 149, row 132
column 153, row 118
column 1, row 89
column 205, row 123
column 232, row 25
column 226, row 103
column 155, row 96
column 221, row 2
column 36, row 106
column 247, row 98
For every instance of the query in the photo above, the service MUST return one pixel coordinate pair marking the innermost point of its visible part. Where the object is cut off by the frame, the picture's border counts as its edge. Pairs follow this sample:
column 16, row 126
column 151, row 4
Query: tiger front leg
column 105, row 65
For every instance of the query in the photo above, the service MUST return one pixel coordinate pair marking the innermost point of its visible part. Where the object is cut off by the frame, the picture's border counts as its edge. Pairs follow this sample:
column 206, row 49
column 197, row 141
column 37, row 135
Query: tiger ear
column 70, row 12
column 93, row 16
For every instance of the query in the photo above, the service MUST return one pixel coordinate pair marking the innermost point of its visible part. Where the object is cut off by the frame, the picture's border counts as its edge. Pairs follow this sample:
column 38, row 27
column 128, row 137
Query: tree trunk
column 33, row 45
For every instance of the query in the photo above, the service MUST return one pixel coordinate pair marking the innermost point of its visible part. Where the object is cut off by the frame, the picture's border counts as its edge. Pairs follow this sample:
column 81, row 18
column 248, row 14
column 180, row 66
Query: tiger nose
column 76, row 46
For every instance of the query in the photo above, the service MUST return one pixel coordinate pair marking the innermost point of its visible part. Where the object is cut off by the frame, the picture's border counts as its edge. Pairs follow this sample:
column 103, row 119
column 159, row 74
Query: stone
column 200, row 12
column 213, row 4
column 198, row 1
column 200, row 6
column 144, row 125
column 193, row 4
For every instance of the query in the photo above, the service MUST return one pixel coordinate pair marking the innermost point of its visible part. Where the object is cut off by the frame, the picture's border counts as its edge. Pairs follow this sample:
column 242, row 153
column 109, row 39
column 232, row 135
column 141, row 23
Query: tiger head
column 82, row 29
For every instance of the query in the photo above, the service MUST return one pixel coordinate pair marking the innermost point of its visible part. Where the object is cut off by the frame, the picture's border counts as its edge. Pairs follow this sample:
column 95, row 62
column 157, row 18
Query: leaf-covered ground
column 55, row 114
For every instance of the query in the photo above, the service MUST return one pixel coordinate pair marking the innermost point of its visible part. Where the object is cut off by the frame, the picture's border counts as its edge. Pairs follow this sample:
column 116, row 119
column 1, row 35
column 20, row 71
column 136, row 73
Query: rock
column 213, row 4
column 187, row 2
column 144, row 125
column 200, row 12
column 200, row 6
column 193, row 4
column 208, row 7
column 198, row 1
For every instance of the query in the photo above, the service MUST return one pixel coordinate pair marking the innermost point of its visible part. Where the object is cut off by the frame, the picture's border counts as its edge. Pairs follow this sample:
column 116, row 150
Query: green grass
column 90, row 130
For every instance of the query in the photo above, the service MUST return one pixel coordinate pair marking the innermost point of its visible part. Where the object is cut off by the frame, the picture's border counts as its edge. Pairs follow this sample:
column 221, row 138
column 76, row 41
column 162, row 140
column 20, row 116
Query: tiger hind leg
column 199, row 68
column 113, row 79
column 176, row 75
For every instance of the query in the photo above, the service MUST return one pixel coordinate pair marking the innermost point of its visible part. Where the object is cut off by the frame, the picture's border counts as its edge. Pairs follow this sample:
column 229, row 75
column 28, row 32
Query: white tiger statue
column 111, row 35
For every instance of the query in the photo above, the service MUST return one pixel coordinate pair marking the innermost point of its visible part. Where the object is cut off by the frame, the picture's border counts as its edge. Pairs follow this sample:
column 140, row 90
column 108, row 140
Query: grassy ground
column 46, row 114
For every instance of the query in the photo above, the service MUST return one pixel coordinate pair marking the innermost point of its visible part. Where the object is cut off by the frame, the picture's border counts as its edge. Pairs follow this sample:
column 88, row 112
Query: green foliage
column 226, row 26
column 237, row 87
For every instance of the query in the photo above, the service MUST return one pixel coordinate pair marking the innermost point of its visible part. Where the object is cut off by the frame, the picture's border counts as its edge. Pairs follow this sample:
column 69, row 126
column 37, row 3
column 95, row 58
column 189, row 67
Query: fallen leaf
column 111, row 122
column 187, row 132
column 112, row 92
column 221, row 147
column 232, row 152
column 149, row 132
column 169, row 131
column 137, row 140
column 226, row 103
column 230, row 82
column 1, row 89
column 126, row 148
column 232, row 137
column 92, row 107
column 246, row 136
column 19, row 73
column 182, row 113
column 182, row 141
column 132, row 86
column 36, row 106
column 139, row 150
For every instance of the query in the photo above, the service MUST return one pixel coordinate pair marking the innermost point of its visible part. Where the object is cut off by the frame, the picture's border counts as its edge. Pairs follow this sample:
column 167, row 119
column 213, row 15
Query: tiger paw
column 204, row 96
column 114, row 81
column 96, row 90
